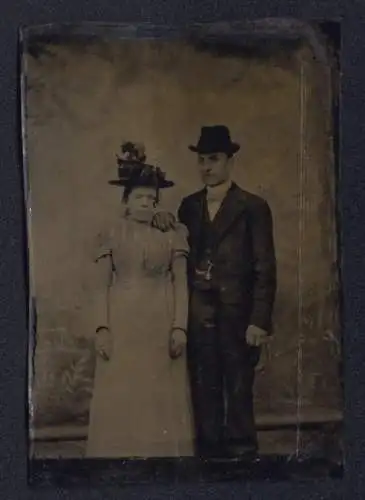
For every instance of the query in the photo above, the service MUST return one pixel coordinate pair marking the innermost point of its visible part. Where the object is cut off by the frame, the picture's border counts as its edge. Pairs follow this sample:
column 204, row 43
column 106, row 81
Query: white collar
column 218, row 192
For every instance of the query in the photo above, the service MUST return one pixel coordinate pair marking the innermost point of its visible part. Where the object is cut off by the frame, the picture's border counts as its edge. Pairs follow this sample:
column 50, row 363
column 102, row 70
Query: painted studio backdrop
column 83, row 96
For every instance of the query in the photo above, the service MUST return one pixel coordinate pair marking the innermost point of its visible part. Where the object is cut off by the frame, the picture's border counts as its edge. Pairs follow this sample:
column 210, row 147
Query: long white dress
column 141, row 402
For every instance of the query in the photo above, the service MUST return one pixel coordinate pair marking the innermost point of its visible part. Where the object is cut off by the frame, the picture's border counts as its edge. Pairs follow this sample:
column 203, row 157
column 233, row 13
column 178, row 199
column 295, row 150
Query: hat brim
column 125, row 182
column 234, row 147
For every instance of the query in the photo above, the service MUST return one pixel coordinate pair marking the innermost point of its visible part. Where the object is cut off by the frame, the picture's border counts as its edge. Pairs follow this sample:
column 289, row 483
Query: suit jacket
column 244, row 255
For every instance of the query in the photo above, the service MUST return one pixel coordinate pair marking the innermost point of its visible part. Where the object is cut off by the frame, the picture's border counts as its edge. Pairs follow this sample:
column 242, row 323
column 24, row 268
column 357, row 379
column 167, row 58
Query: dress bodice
column 140, row 251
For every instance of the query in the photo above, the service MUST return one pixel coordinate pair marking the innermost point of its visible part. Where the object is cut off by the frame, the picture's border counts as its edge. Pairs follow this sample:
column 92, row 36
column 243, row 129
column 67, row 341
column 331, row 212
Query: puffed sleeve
column 102, row 244
column 180, row 245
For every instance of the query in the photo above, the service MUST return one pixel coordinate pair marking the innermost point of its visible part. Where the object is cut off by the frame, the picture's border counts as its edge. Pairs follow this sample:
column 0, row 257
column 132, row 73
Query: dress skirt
column 141, row 400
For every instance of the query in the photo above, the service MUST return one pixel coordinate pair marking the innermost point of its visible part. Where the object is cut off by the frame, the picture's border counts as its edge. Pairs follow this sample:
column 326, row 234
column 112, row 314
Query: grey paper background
column 82, row 100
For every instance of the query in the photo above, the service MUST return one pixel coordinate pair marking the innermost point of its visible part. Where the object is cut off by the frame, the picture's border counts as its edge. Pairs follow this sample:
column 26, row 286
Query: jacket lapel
column 231, row 208
column 197, row 214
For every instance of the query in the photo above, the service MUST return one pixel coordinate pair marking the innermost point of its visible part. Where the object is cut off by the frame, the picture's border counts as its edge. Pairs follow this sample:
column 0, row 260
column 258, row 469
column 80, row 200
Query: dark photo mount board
column 14, row 453
column 274, row 83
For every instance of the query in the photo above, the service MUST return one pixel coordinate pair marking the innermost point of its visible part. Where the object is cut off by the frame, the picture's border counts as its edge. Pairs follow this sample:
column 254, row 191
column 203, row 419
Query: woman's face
column 141, row 203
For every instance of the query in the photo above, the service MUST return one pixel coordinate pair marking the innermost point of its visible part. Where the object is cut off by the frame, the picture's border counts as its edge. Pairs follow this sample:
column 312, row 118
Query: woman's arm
column 180, row 252
column 103, row 282
column 101, row 322
column 180, row 289
column 178, row 336
column 102, row 275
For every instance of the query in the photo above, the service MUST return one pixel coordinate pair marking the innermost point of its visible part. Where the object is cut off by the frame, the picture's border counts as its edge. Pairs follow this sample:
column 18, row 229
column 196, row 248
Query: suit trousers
column 222, row 369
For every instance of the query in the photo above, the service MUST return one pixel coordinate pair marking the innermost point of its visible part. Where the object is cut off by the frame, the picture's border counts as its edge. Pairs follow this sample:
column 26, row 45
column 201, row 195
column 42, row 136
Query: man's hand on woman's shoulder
column 164, row 221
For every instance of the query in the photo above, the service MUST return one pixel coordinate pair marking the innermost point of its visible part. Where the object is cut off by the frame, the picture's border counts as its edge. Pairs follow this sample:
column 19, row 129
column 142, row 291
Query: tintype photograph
column 183, row 248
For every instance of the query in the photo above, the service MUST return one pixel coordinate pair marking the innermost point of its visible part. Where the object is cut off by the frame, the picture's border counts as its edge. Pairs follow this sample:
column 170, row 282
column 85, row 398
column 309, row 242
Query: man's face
column 214, row 168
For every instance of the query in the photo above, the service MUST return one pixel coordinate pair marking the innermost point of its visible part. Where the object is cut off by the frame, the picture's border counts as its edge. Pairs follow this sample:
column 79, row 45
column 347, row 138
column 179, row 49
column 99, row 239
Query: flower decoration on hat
column 133, row 169
column 132, row 152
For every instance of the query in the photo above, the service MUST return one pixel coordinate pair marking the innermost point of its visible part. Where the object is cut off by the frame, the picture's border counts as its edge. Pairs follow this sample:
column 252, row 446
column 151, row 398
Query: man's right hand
column 164, row 221
column 104, row 343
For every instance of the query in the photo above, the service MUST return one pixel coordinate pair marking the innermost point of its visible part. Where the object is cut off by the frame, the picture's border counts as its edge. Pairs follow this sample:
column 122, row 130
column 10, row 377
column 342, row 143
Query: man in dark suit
column 232, row 285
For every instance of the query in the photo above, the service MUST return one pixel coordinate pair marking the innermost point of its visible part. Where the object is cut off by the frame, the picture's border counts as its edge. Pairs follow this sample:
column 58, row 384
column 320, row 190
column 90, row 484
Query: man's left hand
column 256, row 336
column 164, row 221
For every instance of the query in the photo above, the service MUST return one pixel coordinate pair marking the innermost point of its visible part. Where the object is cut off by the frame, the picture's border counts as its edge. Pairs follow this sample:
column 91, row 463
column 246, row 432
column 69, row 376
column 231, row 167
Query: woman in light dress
column 141, row 401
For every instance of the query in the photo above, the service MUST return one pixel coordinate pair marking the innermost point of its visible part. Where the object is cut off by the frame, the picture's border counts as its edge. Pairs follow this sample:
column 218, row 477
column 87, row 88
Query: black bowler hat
column 215, row 139
column 134, row 171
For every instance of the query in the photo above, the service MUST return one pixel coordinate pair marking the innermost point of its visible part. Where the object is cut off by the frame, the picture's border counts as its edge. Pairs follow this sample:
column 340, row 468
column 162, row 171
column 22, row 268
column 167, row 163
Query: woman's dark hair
column 129, row 188
column 142, row 178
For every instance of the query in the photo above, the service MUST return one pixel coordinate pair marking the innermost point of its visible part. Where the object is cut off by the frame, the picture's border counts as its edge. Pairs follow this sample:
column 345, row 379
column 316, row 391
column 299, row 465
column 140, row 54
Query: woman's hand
column 177, row 342
column 103, row 342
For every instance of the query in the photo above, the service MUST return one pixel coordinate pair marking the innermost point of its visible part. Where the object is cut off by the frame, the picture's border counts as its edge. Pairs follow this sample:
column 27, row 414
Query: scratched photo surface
column 83, row 97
